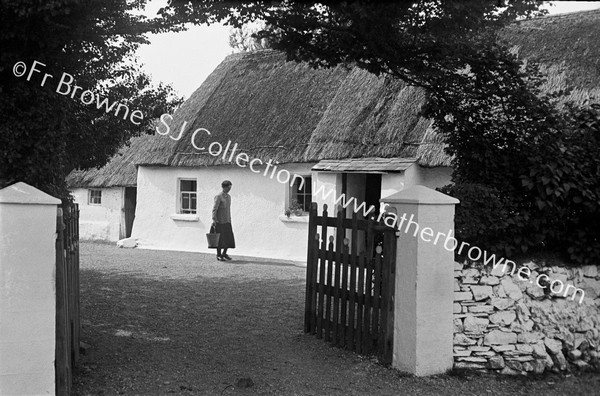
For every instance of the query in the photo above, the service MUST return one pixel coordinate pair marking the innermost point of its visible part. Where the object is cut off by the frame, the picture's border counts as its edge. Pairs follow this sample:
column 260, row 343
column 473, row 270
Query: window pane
column 193, row 203
column 188, row 185
column 185, row 201
column 308, row 185
column 95, row 197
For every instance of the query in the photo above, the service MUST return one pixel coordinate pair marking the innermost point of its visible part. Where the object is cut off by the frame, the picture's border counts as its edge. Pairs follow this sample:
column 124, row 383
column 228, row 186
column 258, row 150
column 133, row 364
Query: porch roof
column 365, row 165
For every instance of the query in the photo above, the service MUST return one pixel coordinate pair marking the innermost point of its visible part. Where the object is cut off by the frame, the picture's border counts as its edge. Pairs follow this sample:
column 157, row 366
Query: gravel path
column 162, row 322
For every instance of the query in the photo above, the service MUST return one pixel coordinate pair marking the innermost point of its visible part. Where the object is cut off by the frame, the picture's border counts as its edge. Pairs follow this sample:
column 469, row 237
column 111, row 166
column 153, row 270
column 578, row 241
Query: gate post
column 27, row 294
column 423, row 327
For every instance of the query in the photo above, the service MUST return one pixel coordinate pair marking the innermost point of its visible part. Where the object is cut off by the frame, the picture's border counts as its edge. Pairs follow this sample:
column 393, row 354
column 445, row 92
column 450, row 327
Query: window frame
column 92, row 197
column 293, row 193
column 192, row 197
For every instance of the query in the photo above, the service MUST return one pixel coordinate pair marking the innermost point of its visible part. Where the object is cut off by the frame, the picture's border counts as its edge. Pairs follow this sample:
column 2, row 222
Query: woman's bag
column 213, row 237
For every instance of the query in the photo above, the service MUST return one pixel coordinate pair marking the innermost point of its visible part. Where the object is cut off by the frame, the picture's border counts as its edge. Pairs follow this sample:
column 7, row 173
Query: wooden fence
column 67, row 296
column 349, row 294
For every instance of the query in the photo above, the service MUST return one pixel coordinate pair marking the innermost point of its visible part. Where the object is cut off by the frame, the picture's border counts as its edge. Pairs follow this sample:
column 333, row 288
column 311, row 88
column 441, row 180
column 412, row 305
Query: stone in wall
column 510, row 325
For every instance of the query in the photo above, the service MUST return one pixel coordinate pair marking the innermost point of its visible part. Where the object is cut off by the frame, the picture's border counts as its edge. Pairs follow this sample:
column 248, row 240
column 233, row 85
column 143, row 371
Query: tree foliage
column 43, row 134
column 245, row 39
column 407, row 39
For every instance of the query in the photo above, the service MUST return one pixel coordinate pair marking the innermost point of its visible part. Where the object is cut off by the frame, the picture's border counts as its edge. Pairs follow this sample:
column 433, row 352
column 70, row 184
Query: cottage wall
column 257, row 212
column 391, row 183
column 327, row 182
column 434, row 177
column 100, row 222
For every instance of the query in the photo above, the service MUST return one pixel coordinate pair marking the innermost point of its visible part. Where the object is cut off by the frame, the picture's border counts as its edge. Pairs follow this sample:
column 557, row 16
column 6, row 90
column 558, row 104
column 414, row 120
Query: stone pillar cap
column 23, row 193
column 420, row 195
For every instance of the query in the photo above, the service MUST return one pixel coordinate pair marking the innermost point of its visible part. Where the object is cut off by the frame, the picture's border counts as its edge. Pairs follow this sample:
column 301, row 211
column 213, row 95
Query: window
column 187, row 196
column 301, row 195
column 95, row 197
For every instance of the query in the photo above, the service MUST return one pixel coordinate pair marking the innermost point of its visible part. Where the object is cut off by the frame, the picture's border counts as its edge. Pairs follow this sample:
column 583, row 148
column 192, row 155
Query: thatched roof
column 289, row 112
column 568, row 43
column 120, row 171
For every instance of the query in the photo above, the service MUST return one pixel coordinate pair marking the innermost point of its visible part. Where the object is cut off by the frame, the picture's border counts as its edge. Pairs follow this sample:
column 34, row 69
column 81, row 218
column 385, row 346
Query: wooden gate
column 349, row 292
column 67, row 296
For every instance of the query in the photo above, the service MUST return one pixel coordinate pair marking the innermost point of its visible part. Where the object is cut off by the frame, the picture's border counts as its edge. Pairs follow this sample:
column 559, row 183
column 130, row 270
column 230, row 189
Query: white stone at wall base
column 127, row 243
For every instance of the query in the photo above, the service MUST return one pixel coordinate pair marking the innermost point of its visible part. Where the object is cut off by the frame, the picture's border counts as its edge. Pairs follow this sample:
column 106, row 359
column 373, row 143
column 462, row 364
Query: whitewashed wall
column 27, row 290
column 431, row 177
column 391, row 183
column 100, row 222
column 329, row 182
column 257, row 208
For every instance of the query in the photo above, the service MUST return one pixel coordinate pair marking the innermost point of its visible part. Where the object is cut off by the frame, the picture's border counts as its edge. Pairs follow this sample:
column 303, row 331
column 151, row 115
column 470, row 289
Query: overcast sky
column 185, row 59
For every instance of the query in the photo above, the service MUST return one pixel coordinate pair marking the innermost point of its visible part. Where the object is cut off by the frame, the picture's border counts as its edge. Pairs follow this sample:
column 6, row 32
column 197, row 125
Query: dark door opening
column 373, row 192
column 130, row 202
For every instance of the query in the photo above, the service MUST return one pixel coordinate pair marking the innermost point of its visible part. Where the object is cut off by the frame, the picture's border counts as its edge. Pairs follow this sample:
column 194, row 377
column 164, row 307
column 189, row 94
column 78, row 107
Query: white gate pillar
column 27, row 290
column 423, row 328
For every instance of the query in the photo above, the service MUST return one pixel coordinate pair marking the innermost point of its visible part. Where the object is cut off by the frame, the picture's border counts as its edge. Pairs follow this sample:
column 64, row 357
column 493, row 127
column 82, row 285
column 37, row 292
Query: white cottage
column 107, row 196
column 262, row 122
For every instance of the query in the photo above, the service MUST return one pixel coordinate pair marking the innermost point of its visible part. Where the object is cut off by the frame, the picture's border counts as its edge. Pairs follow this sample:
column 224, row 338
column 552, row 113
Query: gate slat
column 310, row 281
column 329, row 289
column 322, row 275
column 368, row 287
column 367, row 337
column 352, row 287
column 360, row 309
column 336, row 296
column 387, row 299
column 344, row 286
column 377, row 296
column 315, row 269
column 77, row 321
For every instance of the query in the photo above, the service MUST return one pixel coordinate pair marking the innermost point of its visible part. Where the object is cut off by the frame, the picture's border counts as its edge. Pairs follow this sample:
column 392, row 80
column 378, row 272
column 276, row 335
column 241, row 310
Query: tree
column 45, row 134
column 411, row 40
column 244, row 39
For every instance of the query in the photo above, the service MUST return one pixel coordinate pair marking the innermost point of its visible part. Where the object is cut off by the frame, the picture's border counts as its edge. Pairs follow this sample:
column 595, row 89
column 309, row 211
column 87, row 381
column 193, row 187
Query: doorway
column 129, row 209
column 373, row 192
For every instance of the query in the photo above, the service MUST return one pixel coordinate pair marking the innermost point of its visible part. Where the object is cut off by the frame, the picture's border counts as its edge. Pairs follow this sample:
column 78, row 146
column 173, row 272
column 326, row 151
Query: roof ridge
column 564, row 15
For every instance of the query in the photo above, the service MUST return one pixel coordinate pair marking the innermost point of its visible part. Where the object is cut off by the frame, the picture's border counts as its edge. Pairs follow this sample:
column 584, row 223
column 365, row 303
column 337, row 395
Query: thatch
column 376, row 117
column 567, row 42
column 268, row 106
column 289, row 112
column 120, row 171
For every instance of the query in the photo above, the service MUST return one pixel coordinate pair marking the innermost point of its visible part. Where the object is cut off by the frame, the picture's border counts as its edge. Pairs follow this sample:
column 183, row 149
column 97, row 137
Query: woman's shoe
column 226, row 257
column 220, row 258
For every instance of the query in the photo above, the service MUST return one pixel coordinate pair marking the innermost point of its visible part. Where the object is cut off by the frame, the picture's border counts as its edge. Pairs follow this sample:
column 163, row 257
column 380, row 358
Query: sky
column 185, row 59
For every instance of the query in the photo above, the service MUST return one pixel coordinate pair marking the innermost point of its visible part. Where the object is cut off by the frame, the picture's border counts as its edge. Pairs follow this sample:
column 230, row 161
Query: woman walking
column 221, row 216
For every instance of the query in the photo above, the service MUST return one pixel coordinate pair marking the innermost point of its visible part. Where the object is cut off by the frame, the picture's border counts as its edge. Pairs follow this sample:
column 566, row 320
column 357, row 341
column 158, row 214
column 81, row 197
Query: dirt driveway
column 161, row 322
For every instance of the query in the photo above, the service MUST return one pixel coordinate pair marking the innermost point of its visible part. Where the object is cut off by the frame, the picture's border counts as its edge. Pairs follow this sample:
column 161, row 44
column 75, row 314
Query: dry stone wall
column 505, row 324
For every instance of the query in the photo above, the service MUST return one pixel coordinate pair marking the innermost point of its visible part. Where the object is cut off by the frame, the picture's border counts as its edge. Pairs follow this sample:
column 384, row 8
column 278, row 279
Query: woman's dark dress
column 222, row 216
